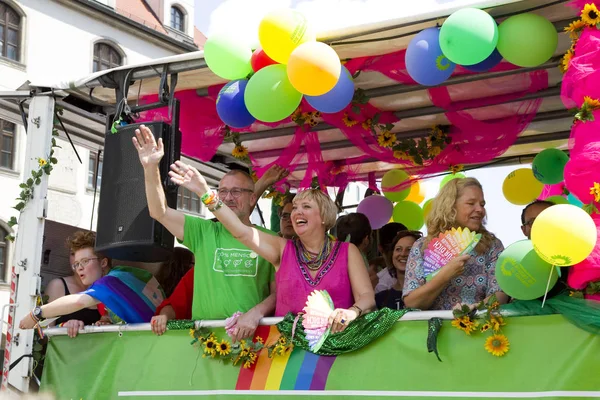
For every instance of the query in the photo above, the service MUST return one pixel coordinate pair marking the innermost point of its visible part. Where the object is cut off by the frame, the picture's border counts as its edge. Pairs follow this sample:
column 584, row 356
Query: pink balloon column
column 580, row 275
column 557, row 189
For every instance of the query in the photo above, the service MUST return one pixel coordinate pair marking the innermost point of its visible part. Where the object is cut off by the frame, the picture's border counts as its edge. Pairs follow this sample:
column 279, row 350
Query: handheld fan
column 315, row 321
column 450, row 244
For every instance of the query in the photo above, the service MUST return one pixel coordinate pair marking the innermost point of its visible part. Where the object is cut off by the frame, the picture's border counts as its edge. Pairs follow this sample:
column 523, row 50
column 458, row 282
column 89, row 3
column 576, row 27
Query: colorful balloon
column 314, row 68
column 549, row 165
column 260, row 59
column 522, row 274
column 409, row 214
column 520, row 187
column 563, row 235
column 281, row 31
column 337, row 98
column 487, row 64
column 269, row 96
column 449, row 177
column 527, row 40
column 582, row 172
column 389, row 184
column 417, row 193
column 425, row 62
column 557, row 200
column 227, row 56
column 231, row 107
column 573, row 200
column 378, row 210
column 468, row 36
column 427, row 208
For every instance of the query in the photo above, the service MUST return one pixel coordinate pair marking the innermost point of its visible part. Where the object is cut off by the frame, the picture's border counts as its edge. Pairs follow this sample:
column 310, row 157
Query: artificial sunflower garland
column 418, row 151
column 307, row 120
column 244, row 353
column 239, row 151
column 590, row 17
column 586, row 111
column 464, row 319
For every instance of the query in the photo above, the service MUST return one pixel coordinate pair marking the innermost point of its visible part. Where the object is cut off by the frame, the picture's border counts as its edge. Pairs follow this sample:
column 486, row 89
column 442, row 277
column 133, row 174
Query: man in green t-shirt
column 228, row 277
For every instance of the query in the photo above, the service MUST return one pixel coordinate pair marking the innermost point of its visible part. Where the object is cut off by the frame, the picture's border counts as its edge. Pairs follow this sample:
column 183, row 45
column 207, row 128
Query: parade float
column 465, row 85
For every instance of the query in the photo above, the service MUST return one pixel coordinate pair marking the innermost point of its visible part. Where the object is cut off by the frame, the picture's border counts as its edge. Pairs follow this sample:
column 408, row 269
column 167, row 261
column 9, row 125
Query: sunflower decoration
column 590, row 15
column 465, row 320
column 497, row 344
column 386, row 139
column 565, row 61
column 42, row 162
column 210, row 346
column 240, row 152
column 595, row 191
column 367, row 124
column 586, row 111
column 224, row 348
column 349, row 122
column 455, row 169
column 574, row 29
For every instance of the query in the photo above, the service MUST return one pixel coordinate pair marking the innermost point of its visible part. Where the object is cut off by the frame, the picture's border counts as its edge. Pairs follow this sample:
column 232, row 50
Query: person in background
column 466, row 279
column 130, row 295
column 528, row 216
column 382, row 278
column 356, row 229
column 402, row 244
column 228, row 277
column 530, row 213
column 64, row 286
column 172, row 271
column 285, row 222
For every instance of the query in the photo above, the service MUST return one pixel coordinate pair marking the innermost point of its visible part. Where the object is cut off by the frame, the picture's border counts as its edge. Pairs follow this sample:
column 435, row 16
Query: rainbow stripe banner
column 548, row 358
column 298, row 370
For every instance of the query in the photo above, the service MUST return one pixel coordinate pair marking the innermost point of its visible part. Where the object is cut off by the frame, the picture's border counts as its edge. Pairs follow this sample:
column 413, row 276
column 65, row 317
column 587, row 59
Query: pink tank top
column 294, row 282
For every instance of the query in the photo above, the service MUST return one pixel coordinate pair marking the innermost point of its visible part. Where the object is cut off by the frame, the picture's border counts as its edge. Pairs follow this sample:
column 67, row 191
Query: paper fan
column 445, row 247
column 315, row 321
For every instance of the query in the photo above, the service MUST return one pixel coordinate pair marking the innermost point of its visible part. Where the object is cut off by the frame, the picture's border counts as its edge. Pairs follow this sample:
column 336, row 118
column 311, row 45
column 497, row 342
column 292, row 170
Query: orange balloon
column 314, row 68
column 417, row 193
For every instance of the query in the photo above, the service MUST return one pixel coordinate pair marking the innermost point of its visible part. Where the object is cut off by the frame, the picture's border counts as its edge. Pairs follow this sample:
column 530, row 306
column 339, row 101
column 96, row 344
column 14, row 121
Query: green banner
column 548, row 358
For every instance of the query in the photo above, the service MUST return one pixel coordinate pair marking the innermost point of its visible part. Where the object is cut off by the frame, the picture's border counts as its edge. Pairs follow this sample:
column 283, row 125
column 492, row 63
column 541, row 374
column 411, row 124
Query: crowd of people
column 233, row 267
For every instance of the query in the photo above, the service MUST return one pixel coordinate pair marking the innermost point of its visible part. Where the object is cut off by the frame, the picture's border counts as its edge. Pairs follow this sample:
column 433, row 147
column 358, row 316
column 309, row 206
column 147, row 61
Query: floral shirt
column 475, row 284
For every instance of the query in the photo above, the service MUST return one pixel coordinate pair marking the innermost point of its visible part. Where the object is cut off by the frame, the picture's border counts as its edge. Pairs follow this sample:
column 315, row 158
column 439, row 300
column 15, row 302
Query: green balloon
column 521, row 272
column 269, row 96
column 449, row 177
column 527, row 40
column 549, row 166
column 227, row 56
column 390, row 180
column 557, row 200
column 468, row 36
column 409, row 214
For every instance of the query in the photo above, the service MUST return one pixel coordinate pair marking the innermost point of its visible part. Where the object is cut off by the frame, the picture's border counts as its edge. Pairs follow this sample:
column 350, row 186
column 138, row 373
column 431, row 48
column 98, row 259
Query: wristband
column 208, row 198
column 216, row 206
column 357, row 308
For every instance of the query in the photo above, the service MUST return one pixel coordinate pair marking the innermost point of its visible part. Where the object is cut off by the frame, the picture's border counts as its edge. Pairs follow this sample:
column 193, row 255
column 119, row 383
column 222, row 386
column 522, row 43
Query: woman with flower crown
column 311, row 261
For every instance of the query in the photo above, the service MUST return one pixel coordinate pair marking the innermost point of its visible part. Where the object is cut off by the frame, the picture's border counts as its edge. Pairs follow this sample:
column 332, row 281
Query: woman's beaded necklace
column 313, row 261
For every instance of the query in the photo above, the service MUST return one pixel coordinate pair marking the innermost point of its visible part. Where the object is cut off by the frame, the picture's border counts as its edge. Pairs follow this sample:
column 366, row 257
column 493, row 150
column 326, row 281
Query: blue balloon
column 487, row 64
column 574, row 200
column 337, row 98
column 425, row 62
column 231, row 107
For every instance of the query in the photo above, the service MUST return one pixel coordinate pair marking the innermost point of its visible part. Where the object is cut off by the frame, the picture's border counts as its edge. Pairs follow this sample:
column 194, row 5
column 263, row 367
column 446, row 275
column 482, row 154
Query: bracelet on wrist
column 217, row 205
column 358, row 310
column 208, row 198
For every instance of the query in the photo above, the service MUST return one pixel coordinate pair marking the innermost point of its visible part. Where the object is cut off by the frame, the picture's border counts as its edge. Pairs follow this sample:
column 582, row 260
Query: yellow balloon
column 314, row 68
column 417, row 193
column 427, row 208
column 564, row 235
column 520, row 187
column 281, row 31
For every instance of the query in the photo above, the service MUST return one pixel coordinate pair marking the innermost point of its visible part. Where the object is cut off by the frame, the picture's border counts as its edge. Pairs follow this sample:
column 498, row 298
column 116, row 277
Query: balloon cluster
column 269, row 83
column 471, row 38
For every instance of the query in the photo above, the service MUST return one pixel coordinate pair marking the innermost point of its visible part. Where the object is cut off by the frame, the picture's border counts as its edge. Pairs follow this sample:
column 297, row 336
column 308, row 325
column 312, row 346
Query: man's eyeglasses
column 287, row 216
column 235, row 192
column 82, row 263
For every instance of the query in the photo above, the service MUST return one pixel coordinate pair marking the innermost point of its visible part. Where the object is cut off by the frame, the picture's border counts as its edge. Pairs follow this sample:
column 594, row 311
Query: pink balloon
column 589, row 269
column 552, row 190
column 378, row 210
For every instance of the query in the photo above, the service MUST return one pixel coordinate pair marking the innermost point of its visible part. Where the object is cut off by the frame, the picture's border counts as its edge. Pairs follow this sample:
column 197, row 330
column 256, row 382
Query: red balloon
column 260, row 59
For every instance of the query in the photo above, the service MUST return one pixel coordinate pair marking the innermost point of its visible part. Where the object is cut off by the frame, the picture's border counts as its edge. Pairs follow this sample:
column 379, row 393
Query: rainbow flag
column 296, row 370
column 132, row 294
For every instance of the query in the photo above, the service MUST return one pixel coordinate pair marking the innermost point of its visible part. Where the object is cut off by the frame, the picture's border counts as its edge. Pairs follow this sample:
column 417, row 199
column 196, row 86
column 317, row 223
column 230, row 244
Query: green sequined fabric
column 180, row 324
column 358, row 334
column 433, row 329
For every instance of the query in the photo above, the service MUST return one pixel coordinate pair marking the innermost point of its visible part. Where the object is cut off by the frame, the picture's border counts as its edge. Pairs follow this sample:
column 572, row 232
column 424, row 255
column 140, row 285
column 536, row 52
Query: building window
column 7, row 144
column 188, row 201
column 106, row 57
column 3, row 254
column 177, row 19
column 93, row 165
column 10, row 32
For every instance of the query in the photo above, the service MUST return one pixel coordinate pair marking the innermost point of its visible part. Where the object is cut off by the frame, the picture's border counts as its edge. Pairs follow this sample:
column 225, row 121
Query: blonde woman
column 466, row 279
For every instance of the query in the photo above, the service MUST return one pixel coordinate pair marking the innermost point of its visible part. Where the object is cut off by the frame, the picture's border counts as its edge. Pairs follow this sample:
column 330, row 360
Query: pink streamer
column 583, row 76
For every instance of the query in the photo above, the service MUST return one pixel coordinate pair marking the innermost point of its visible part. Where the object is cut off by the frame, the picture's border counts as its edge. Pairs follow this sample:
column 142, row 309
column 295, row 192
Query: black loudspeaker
column 125, row 230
